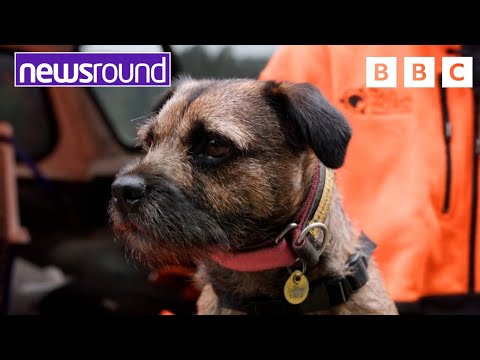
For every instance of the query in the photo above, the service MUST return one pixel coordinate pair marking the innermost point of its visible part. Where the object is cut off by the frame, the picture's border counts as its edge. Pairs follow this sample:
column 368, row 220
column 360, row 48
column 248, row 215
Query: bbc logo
column 419, row 72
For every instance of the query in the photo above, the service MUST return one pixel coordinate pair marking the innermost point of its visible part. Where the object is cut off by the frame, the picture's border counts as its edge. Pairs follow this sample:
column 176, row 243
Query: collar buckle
column 308, row 247
column 284, row 232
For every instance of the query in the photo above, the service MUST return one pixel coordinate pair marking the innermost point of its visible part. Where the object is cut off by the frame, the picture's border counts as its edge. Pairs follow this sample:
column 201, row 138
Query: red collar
column 281, row 252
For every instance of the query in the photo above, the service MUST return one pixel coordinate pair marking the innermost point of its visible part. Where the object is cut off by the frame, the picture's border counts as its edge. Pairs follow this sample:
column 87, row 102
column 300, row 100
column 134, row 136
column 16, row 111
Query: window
column 27, row 110
column 223, row 61
column 122, row 105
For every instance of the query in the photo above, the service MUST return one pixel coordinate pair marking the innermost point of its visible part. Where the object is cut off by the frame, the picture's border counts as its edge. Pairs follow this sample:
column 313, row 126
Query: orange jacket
column 403, row 182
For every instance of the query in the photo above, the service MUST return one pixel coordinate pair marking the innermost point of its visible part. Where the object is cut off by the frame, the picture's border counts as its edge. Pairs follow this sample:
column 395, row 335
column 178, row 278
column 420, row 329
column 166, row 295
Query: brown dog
column 229, row 165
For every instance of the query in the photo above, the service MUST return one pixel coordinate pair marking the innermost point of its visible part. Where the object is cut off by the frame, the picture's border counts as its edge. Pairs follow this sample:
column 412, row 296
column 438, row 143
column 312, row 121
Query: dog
column 238, row 178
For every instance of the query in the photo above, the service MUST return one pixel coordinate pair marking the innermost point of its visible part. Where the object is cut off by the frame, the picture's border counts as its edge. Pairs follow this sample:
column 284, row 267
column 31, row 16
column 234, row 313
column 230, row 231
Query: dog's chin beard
column 154, row 237
column 153, row 252
column 155, row 248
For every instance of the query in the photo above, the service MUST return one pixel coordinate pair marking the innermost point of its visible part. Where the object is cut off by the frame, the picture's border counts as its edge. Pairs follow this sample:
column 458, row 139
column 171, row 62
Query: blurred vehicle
column 66, row 145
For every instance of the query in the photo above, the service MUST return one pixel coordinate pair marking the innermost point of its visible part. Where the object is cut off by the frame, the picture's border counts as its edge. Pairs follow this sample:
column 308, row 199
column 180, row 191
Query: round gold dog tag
column 296, row 288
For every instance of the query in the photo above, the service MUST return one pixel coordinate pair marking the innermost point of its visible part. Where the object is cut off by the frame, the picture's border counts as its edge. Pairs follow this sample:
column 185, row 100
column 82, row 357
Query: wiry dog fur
column 194, row 204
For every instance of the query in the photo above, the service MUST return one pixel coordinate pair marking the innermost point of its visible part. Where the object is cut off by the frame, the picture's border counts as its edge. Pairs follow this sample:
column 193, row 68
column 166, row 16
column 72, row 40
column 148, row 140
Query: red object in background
column 166, row 312
column 179, row 279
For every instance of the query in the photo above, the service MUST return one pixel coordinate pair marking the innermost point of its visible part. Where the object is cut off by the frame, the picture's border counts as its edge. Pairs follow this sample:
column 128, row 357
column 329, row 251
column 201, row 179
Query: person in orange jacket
column 410, row 178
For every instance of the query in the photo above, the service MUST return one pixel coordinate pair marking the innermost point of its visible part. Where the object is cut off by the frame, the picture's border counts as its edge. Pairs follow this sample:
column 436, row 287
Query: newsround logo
column 88, row 69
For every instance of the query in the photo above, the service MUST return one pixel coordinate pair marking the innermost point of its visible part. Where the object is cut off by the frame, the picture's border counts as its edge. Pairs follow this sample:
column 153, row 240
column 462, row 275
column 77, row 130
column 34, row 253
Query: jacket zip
column 473, row 222
column 447, row 134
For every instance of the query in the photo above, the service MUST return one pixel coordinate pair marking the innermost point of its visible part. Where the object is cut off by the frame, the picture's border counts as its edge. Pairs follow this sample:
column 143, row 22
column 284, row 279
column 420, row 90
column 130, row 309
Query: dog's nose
column 127, row 191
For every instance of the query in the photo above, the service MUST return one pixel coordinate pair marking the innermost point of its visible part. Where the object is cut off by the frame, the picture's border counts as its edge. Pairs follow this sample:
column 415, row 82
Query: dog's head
column 227, row 163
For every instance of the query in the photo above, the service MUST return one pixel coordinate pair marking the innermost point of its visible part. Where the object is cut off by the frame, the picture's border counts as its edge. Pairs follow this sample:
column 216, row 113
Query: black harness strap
column 324, row 292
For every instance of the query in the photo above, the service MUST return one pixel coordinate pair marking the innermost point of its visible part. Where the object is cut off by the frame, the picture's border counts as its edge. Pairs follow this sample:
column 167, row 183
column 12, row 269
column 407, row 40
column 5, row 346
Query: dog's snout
column 127, row 191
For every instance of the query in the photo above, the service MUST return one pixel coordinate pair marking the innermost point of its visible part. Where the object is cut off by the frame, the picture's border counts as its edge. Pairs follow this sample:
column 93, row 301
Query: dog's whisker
column 144, row 116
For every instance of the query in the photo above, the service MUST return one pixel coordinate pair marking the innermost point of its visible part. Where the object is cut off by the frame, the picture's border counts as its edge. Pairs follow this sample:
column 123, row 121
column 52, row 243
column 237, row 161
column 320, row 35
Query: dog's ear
column 167, row 94
column 163, row 98
column 311, row 120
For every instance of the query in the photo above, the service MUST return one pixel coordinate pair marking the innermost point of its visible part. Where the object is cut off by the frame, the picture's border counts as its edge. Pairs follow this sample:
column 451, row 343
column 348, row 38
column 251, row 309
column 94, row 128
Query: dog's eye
column 216, row 148
column 209, row 149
